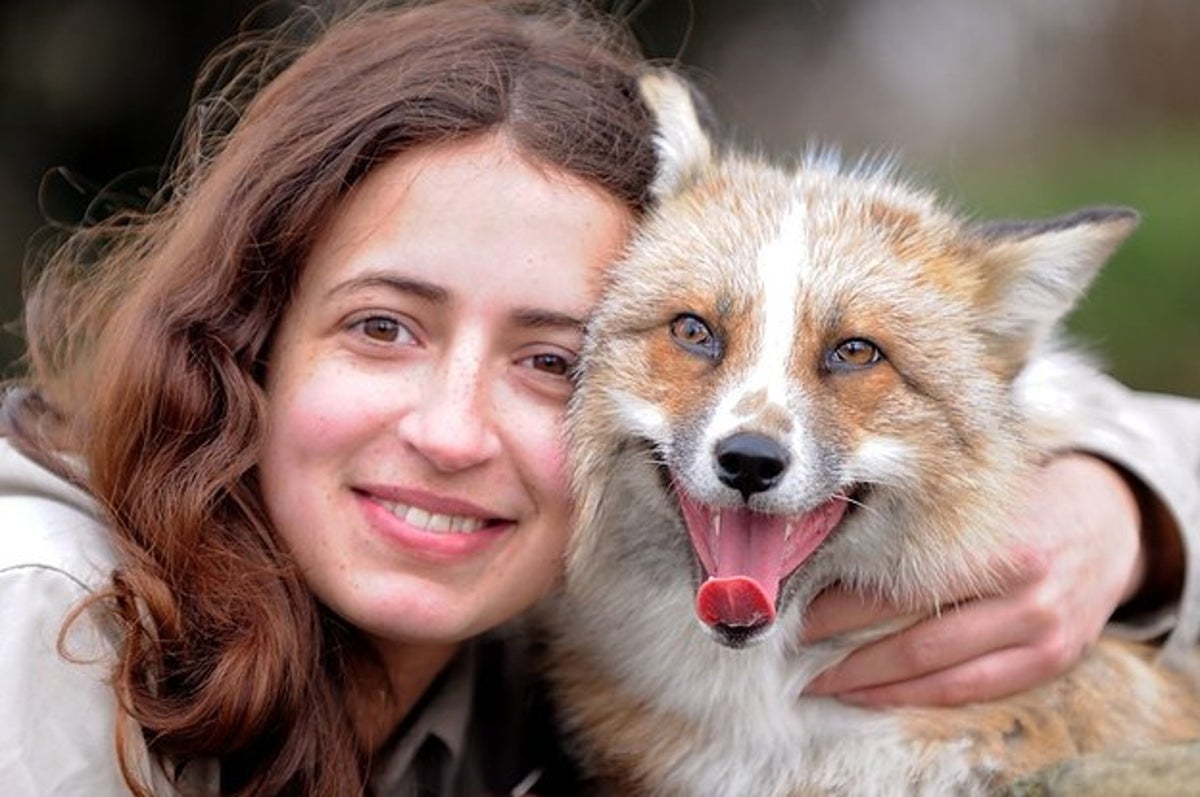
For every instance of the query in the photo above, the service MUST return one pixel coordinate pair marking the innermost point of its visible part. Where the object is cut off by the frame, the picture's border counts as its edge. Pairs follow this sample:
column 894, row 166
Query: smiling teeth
column 432, row 521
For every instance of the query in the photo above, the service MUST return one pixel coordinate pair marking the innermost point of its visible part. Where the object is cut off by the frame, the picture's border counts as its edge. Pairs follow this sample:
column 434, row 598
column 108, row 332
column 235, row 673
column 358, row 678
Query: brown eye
column 553, row 364
column 694, row 335
column 383, row 329
column 853, row 354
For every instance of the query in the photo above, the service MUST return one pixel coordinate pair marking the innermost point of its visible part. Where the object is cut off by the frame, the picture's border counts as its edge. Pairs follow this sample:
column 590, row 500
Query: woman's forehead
column 472, row 214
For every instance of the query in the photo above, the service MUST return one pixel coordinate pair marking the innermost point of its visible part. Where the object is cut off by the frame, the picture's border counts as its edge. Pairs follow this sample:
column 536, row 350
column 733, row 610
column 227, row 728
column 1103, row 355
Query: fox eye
column 853, row 354
column 693, row 334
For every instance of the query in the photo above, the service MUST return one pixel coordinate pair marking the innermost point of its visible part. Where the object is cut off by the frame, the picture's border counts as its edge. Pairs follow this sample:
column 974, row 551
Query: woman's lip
column 431, row 545
column 429, row 502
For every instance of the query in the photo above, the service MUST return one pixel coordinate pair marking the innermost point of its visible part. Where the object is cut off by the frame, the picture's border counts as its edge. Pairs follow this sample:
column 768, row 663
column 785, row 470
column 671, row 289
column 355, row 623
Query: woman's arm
column 1114, row 527
column 1156, row 441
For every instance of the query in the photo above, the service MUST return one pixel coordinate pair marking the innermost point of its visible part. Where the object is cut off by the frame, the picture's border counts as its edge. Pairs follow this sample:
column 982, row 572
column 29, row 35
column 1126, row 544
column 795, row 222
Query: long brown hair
column 147, row 335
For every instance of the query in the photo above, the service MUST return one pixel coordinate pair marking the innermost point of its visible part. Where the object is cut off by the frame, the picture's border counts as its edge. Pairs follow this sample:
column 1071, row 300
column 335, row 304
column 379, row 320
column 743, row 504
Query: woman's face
column 414, row 463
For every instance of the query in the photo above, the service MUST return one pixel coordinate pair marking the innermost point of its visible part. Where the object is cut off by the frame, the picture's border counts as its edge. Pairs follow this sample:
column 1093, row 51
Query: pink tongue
column 747, row 555
column 738, row 602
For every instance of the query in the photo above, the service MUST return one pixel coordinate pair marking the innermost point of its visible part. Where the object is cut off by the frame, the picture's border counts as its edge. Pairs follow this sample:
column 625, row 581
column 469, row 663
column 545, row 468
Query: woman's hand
column 1081, row 558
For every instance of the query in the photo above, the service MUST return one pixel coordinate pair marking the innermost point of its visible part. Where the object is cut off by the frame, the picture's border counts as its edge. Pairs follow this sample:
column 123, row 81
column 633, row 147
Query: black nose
column 750, row 463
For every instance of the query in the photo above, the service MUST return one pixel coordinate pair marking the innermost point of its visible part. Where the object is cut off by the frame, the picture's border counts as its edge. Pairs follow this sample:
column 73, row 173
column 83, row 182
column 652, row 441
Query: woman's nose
column 451, row 424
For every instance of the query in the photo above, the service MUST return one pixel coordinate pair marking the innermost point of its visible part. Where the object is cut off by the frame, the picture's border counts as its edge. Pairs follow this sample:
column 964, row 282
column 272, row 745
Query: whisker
column 855, row 502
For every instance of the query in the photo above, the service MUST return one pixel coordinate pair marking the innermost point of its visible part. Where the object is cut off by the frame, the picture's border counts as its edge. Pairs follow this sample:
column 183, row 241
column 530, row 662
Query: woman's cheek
column 553, row 455
column 336, row 406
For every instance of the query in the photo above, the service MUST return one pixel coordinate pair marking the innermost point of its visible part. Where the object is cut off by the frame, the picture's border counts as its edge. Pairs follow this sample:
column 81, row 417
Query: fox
column 801, row 375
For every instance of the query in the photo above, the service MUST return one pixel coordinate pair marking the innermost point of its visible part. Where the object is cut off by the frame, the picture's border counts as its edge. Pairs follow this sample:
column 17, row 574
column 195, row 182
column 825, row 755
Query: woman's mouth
column 434, row 522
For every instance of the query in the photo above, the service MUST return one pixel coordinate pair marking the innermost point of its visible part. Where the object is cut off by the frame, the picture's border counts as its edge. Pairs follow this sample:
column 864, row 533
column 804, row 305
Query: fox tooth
column 433, row 521
column 716, row 524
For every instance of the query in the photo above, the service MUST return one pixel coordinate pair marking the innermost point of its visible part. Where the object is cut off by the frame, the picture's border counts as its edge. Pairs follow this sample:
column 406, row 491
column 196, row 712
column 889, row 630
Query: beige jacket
column 57, row 717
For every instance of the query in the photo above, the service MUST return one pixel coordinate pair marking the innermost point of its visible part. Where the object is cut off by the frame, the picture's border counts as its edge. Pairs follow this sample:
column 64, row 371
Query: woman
column 317, row 394
column 296, row 428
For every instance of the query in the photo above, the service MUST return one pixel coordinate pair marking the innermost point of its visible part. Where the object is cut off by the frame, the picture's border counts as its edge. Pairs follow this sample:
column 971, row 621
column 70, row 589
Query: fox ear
column 1036, row 271
column 682, row 143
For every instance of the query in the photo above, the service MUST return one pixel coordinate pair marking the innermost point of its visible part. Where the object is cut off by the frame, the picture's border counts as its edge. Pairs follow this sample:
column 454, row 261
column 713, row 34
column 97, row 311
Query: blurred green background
column 1019, row 108
column 1142, row 316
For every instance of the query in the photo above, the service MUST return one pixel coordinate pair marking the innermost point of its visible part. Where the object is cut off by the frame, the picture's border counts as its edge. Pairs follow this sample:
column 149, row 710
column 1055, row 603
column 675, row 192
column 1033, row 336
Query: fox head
column 802, row 375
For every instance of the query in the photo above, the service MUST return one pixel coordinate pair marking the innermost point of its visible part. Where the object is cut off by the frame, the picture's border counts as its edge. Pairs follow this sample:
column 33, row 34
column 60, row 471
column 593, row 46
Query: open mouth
column 747, row 556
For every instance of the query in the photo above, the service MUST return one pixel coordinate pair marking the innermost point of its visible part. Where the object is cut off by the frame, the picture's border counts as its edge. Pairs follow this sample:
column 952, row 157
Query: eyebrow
column 530, row 317
column 425, row 290
column 533, row 317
